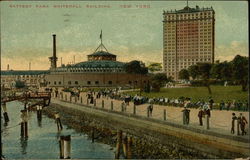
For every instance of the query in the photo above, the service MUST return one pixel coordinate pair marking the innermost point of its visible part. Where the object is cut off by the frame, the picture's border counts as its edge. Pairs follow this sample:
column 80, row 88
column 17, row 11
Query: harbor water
column 43, row 139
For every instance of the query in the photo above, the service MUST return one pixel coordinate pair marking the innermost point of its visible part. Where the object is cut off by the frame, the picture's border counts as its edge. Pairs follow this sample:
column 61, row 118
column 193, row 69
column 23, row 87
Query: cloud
column 227, row 53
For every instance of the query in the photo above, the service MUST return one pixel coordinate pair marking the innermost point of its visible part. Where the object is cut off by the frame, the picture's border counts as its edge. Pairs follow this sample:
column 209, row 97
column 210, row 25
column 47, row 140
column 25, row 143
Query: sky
column 131, row 33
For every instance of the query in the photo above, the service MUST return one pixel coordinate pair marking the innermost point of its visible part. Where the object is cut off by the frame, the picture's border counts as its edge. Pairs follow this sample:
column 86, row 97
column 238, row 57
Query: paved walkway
column 220, row 121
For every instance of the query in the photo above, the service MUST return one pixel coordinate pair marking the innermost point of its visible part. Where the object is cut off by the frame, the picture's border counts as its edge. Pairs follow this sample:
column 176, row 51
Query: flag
column 101, row 35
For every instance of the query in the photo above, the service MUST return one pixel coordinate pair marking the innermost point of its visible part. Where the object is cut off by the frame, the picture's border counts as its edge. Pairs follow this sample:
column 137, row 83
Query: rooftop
column 188, row 9
column 24, row 72
column 101, row 53
column 98, row 64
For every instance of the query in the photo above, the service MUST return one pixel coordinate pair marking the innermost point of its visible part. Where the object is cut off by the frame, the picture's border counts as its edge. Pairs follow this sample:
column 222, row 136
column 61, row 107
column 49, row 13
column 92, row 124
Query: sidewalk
column 220, row 121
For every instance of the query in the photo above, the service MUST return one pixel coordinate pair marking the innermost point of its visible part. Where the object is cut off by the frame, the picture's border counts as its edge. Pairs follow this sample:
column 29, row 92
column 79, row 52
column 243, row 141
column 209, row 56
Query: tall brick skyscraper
column 188, row 38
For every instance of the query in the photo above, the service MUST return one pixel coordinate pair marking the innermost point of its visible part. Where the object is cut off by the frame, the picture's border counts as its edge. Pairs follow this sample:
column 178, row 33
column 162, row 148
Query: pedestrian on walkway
column 91, row 99
column 200, row 115
column 186, row 113
column 233, row 122
column 211, row 102
column 243, row 122
column 58, row 121
column 151, row 109
column 222, row 105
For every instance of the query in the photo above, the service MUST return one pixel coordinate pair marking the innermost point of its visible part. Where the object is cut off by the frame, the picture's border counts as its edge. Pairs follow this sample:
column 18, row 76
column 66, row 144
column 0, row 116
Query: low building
column 30, row 78
column 101, row 70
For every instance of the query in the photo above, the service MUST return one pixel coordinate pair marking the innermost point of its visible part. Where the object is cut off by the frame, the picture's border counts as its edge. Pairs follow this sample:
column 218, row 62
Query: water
column 42, row 141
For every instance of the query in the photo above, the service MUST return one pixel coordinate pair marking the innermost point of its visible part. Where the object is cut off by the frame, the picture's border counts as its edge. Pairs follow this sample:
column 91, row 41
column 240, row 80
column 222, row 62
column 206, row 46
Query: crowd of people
column 204, row 107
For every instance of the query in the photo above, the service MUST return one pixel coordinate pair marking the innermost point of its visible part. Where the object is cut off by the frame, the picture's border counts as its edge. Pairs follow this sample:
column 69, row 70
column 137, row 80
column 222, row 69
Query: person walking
column 243, row 122
column 185, row 115
column 200, row 115
column 58, row 121
column 151, row 109
column 233, row 122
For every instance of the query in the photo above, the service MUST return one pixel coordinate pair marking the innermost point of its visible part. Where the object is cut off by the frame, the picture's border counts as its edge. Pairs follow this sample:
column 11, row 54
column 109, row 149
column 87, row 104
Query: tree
column 183, row 74
column 158, row 80
column 204, row 73
column 240, row 70
column 193, row 71
column 155, row 67
column 221, row 71
column 136, row 67
column 19, row 84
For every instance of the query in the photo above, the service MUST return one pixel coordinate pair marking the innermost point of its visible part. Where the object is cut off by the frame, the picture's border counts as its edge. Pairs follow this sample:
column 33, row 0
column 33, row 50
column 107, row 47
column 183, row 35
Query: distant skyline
column 130, row 33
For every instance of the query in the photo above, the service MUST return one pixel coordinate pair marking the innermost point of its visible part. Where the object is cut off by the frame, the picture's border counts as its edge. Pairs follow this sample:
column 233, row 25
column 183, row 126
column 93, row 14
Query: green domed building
column 101, row 70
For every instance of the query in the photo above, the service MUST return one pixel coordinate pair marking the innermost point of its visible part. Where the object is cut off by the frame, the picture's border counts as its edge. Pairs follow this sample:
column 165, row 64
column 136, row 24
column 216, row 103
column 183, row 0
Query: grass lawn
column 195, row 93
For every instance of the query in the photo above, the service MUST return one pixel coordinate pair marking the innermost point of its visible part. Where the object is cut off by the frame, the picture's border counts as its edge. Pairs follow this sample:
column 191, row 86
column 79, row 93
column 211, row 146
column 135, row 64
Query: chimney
column 54, row 50
column 8, row 67
column 53, row 59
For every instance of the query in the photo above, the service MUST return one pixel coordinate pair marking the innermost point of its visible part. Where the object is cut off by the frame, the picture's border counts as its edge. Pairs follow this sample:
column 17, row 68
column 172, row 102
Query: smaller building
column 30, row 78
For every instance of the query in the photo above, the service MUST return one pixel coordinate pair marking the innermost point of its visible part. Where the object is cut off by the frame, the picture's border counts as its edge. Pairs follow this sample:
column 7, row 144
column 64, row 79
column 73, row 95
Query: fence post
column 206, row 121
column 134, row 111
column 122, row 109
column 5, row 114
column 111, row 105
column 102, row 103
column 147, row 112
column 164, row 114
column 81, row 99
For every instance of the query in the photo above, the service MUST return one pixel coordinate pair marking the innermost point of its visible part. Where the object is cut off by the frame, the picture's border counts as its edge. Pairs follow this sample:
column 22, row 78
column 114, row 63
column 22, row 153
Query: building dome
column 101, row 55
column 99, row 64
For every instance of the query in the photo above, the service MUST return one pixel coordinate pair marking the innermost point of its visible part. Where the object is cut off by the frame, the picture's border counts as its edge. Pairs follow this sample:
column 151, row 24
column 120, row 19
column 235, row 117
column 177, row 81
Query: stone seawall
column 153, row 138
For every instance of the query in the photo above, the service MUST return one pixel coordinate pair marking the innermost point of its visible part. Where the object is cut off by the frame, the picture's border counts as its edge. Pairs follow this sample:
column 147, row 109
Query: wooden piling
column 6, row 117
column 93, row 135
column 129, row 152
column 164, row 114
column 67, row 147
column 118, row 144
column 61, row 147
column 25, row 129
column 22, row 129
column 125, row 146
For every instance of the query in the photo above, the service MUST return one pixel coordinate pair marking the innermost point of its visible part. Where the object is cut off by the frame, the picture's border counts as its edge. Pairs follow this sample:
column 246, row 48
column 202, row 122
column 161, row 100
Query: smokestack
column 29, row 65
column 74, row 60
column 54, row 50
column 53, row 59
column 54, row 45
column 8, row 67
column 61, row 61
